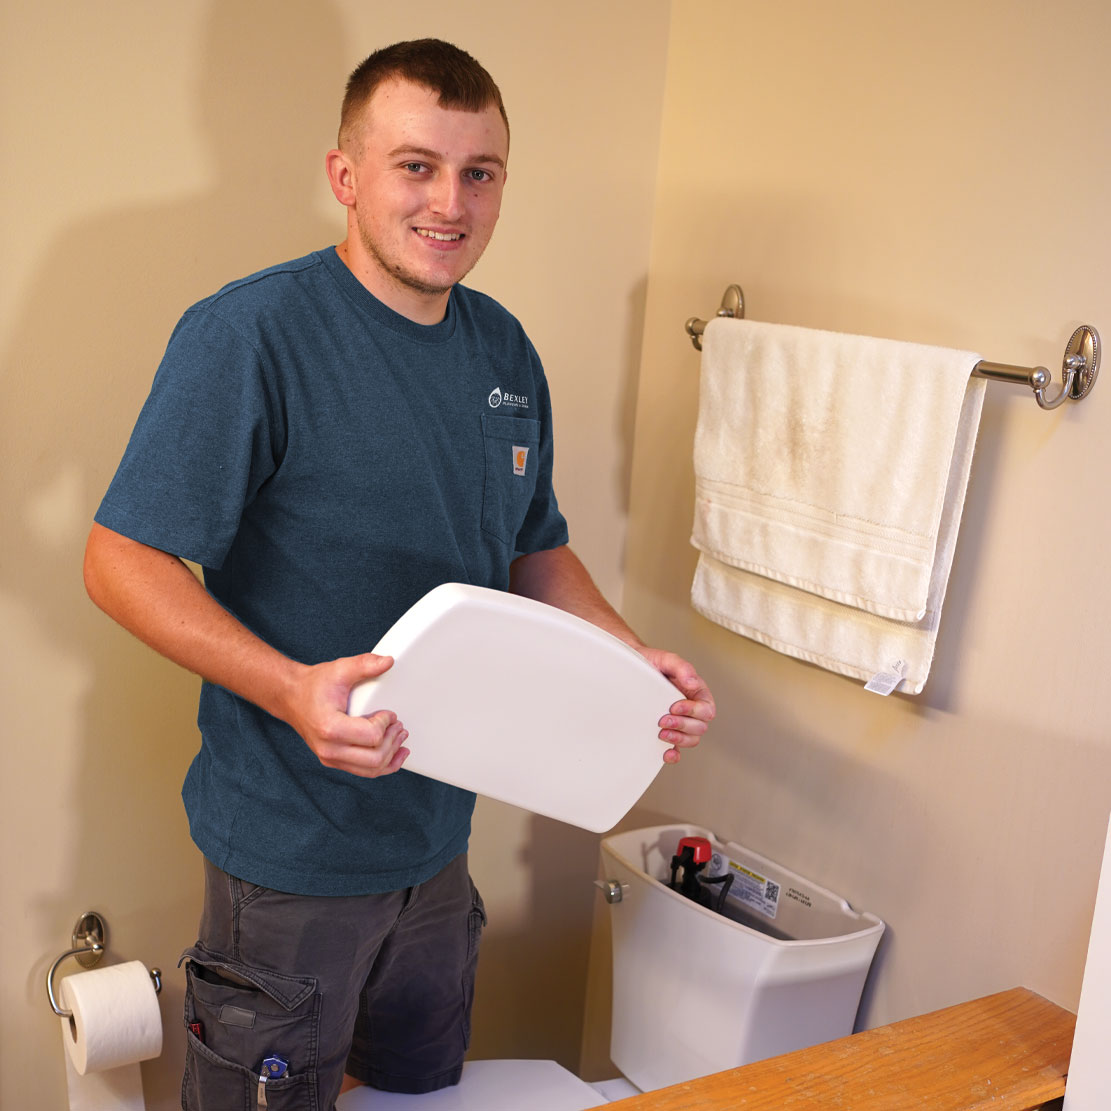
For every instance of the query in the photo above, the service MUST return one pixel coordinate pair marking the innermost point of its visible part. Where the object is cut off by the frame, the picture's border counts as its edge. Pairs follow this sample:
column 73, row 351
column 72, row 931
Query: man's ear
column 341, row 177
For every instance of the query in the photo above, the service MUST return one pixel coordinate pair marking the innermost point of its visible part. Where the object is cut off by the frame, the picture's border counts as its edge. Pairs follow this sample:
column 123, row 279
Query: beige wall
column 152, row 152
column 935, row 173
column 927, row 173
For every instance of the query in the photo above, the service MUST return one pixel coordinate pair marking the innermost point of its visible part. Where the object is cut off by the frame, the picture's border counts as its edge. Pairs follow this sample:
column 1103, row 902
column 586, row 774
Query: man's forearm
column 155, row 596
column 558, row 577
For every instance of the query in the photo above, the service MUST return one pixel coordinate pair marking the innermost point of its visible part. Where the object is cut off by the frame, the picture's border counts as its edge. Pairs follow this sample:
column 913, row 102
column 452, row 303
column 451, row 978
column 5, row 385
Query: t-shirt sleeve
column 204, row 442
column 544, row 526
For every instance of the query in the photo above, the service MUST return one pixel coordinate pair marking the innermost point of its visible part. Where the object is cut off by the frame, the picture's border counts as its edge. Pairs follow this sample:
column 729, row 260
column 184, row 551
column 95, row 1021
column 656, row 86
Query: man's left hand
column 688, row 719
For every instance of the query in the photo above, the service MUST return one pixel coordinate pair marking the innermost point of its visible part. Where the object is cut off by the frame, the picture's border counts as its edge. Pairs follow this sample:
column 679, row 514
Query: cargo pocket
column 235, row 1016
column 512, row 446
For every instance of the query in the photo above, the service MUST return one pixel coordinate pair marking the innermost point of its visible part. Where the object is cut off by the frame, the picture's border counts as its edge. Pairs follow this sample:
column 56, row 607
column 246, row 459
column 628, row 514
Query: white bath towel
column 830, row 476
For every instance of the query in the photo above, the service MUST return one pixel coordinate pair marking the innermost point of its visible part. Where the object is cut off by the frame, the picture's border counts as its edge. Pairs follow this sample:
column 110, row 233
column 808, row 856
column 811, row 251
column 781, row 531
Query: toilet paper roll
column 115, row 1025
column 115, row 1090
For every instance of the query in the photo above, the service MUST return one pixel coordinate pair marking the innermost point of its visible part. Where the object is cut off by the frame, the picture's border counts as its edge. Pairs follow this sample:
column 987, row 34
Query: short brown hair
column 452, row 73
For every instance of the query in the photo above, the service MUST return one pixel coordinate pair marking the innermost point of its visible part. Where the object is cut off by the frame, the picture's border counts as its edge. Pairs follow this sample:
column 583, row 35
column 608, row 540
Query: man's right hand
column 317, row 708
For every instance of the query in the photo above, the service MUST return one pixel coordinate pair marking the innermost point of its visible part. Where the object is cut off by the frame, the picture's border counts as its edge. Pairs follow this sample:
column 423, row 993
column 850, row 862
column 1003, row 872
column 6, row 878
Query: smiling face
column 423, row 187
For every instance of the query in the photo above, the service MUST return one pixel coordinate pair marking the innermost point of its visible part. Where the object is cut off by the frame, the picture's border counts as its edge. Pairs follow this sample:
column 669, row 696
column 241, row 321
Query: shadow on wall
column 531, row 983
column 94, row 322
column 627, row 404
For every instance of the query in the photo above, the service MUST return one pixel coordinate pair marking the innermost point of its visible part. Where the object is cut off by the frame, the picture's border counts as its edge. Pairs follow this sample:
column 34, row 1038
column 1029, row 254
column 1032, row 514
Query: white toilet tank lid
column 520, row 701
column 489, row 1086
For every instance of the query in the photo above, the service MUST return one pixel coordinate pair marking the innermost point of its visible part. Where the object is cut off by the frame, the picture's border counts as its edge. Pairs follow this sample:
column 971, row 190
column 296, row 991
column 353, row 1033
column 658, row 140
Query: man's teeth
column 438, row 234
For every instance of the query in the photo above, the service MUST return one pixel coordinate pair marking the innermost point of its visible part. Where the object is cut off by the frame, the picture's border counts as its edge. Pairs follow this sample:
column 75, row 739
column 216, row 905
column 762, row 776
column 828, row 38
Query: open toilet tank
column 696, row 991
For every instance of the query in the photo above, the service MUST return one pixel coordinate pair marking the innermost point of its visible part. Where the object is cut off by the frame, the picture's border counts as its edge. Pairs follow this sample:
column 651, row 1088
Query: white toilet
column 778, row 966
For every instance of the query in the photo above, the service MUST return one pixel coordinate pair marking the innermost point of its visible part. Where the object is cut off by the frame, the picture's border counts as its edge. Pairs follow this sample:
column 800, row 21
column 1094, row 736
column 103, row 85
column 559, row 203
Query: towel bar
column 1078, row 368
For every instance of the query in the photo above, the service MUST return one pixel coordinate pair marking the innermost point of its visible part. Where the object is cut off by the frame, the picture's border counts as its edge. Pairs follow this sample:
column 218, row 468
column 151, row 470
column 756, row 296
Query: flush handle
column 613, row 891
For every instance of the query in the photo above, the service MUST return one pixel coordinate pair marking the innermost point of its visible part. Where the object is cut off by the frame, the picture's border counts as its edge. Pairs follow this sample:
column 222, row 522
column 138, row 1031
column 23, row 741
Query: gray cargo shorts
column 379, row 986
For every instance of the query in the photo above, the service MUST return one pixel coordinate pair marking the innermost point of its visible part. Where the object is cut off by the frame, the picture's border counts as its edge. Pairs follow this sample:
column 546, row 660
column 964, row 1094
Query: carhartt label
column 520, row 458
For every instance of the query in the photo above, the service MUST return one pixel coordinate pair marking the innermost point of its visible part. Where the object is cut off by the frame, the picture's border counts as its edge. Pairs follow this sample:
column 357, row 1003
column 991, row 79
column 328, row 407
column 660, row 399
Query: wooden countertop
column 1006, row 1051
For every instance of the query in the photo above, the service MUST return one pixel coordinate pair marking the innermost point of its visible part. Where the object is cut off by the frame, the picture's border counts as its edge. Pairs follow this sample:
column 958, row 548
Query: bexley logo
column 513, row 400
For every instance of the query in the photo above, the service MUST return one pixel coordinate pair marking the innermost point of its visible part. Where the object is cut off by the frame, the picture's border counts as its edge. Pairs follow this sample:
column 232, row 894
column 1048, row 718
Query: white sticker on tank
column 754, row 890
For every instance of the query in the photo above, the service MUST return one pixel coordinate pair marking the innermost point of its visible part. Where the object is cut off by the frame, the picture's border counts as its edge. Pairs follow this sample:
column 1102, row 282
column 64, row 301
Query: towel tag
column 884, row 682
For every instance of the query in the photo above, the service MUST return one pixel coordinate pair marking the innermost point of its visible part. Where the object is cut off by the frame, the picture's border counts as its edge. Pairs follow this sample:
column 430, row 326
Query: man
column 321, row 438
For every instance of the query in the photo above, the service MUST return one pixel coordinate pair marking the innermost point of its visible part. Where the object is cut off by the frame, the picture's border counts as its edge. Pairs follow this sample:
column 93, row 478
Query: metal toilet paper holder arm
column 88, row 948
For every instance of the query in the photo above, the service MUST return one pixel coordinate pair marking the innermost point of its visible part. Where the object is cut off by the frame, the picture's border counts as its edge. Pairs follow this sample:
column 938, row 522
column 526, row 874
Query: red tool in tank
column 692, row 855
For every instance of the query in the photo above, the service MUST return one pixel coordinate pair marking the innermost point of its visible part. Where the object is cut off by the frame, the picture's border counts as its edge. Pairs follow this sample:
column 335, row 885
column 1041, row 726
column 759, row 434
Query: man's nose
column 447, row 196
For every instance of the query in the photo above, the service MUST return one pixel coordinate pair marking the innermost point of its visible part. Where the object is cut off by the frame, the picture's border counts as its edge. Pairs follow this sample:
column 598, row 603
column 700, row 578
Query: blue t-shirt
column 328, row 462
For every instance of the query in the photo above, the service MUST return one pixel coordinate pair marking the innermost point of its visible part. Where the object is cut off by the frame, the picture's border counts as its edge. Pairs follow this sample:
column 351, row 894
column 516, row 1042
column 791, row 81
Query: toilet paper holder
column 89, row 936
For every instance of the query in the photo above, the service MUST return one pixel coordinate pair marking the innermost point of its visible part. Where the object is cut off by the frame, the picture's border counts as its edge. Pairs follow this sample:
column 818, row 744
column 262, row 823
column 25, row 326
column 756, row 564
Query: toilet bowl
column 490, row 1086
column 778, row 964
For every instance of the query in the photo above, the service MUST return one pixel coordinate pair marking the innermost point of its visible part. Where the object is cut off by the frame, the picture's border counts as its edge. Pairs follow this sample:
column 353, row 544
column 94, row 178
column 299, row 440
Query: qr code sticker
column 754, row 890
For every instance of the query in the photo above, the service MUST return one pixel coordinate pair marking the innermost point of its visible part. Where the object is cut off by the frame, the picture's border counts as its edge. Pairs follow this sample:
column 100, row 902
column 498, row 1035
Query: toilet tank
column 696, row 991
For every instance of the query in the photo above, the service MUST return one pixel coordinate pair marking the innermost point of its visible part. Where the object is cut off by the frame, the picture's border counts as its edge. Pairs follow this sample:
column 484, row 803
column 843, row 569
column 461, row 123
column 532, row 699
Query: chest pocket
column 512, row 446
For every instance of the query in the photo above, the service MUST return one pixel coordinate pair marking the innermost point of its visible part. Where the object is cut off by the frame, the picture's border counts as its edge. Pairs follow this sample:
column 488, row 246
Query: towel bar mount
column 732, row 304
column 1079, row 366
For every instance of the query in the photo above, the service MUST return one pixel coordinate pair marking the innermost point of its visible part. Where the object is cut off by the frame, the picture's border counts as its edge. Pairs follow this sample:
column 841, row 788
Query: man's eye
column 414, row 167
column 479, row 175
